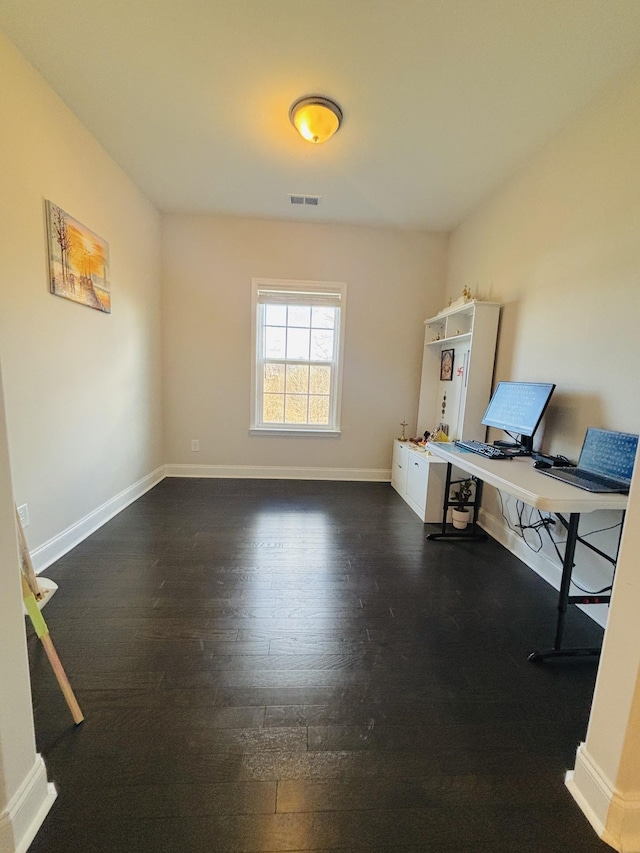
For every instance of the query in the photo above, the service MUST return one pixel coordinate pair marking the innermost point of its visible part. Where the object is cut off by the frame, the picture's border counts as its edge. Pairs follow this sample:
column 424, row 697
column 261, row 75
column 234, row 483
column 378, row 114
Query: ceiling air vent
column 313, row 200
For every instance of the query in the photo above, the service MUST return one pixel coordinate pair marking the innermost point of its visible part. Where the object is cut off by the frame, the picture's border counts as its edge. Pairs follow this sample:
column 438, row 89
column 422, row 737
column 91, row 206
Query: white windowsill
column 295, row 431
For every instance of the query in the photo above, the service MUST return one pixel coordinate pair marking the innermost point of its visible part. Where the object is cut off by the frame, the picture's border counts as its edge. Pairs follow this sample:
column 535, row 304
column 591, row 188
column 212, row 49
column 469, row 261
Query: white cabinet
column 399, row 466
column 419, row 479
column 455, row 389
column 468, row 333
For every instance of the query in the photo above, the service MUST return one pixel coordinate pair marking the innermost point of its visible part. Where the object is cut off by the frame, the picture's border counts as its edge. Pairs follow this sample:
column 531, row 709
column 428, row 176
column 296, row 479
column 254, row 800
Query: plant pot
column 460, row 518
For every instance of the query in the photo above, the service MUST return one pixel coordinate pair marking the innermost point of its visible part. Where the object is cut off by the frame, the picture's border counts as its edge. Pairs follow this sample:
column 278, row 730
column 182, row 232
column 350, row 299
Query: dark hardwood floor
column 291, row 666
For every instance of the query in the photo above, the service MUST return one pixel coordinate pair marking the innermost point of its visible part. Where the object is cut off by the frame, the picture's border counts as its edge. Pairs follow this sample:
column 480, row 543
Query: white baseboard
column 371, row 475
column 615, row 819
column 591, row 791
column 59, row 545
column 539, row 562
column 26, row 811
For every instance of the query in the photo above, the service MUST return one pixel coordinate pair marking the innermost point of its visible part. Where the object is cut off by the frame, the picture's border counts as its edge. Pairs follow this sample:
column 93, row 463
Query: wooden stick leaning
column 26, row 566
column 29, row 580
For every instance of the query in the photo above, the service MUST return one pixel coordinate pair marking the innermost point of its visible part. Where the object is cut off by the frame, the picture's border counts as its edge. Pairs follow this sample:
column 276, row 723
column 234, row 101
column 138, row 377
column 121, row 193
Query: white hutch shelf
column 470, row 330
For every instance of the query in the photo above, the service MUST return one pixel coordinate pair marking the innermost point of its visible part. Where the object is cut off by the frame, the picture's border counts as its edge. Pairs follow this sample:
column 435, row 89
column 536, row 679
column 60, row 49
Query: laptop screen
column 610, row 453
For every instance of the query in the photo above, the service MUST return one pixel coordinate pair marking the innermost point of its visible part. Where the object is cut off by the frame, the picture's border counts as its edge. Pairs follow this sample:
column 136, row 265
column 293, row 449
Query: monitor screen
column 610, row 453
column 518, row 407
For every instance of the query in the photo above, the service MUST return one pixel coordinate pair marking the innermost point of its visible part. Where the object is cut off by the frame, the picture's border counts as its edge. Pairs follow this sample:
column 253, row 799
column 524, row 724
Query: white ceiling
column 443, row 99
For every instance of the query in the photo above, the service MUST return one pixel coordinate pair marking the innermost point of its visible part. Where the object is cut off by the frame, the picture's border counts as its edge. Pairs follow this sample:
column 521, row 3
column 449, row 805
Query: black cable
column 560, row 558
column 601, row 529
column 523, row 524
column 590, row 592
column 546, row 523
column 530, row 526
column 554, row 543
column 507, row 520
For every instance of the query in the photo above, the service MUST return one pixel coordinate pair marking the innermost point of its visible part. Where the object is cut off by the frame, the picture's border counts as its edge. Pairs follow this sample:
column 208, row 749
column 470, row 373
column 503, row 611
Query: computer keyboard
column 483, row 449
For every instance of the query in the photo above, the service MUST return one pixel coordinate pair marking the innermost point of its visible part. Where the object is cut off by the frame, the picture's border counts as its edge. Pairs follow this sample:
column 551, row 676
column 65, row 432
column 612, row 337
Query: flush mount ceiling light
column 315, row 117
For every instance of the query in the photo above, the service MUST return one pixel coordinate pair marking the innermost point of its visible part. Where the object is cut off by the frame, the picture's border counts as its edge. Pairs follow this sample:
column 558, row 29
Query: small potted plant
column 461, row 497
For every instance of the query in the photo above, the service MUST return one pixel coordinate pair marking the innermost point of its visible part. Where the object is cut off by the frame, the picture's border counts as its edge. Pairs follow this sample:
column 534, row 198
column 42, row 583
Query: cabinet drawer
column 400, row 453
column 399, row 478
column 399, row 467
column 417, row 479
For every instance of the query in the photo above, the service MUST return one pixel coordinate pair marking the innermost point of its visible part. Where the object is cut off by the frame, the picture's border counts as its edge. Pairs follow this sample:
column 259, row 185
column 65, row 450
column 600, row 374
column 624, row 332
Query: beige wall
column 559, row 247
column 82, row 388
column 394, row 279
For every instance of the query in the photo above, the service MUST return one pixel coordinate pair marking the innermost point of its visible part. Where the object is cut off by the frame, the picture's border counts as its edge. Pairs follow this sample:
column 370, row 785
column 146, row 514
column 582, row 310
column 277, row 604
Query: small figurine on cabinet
column 466, row 294
column 403, row 437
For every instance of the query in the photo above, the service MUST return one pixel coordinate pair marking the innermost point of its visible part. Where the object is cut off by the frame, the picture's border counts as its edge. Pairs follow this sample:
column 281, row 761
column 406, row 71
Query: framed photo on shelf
column 446, row 365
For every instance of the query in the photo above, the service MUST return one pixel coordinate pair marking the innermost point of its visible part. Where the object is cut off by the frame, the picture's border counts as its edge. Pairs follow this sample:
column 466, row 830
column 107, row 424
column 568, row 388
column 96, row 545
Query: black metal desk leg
column 476, row 504
column 563, row 600
column 445, row 505
column 567, row 569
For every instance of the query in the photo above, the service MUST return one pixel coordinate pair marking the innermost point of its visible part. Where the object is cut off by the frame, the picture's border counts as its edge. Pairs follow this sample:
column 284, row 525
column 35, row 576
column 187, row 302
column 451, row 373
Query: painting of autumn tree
column 78, row 261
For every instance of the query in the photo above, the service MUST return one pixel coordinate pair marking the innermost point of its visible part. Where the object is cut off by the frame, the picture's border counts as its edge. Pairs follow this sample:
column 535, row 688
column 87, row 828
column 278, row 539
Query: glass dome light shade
column 315, row 118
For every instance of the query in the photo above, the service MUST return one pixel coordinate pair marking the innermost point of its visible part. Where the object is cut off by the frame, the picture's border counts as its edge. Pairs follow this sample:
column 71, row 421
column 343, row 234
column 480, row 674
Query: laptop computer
column 605, row 463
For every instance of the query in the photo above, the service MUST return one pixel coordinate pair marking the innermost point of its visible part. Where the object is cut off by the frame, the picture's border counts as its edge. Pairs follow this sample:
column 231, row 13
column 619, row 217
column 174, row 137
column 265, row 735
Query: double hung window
column 298, row 345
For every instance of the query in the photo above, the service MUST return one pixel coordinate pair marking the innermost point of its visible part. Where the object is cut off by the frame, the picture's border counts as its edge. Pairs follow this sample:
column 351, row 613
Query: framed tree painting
column 78, row 261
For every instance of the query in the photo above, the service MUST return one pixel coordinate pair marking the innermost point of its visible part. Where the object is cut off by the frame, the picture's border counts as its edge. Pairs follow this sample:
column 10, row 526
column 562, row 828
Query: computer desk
column 517, row 477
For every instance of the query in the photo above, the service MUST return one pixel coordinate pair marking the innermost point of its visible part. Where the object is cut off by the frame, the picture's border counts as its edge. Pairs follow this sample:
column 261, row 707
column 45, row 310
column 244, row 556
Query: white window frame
column 307, row 293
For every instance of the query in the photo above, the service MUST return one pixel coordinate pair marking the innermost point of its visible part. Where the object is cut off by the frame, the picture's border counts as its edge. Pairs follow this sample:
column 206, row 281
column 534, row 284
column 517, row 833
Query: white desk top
column 518, row 477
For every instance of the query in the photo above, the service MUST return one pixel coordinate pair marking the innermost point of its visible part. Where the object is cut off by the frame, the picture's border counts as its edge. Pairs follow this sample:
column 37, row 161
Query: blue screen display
column 607, row 452
column 518, row 406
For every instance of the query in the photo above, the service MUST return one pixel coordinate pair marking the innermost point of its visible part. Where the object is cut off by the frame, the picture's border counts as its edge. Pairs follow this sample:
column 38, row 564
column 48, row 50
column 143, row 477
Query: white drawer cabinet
column 399, row 466
column 419, row 480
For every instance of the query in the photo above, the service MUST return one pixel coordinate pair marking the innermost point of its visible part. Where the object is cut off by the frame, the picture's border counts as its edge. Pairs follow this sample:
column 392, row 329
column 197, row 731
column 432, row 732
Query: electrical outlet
column 23, row 512
column 195, row 444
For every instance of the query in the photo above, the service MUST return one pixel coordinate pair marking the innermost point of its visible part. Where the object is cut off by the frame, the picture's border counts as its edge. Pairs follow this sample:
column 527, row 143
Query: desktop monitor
column 517, row 408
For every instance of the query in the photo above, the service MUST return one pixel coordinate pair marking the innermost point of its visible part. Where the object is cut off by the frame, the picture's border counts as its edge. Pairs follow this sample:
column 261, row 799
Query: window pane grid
column 297, row 393
column 297, row 353
column 298, row 332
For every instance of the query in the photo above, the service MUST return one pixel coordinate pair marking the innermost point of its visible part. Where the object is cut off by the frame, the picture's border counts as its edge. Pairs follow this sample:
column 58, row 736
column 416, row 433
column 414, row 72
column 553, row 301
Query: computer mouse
column 541, row 464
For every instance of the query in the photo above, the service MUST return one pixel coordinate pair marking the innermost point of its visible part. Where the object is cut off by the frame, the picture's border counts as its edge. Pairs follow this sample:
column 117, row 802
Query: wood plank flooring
column 290, row 666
